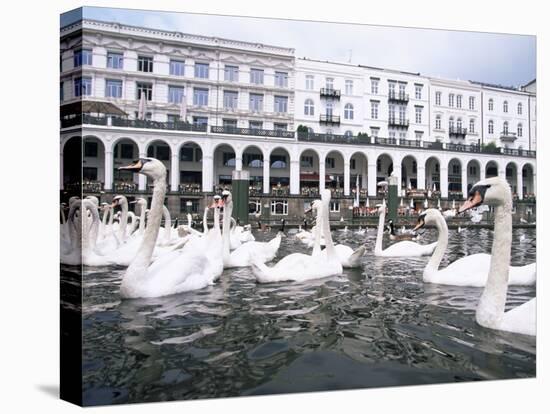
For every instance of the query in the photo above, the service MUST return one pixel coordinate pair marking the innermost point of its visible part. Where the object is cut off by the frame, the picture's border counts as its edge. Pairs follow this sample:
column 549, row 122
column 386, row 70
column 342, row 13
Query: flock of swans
column 169, row 260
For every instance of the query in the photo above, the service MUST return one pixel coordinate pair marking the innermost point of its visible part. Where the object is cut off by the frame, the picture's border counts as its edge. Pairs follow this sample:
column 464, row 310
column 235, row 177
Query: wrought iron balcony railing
column 398, row 96
column 276, row 133
column 506, row 136
column 398, row 122
column 329, row 119
column 457, row 132
column 330, row 93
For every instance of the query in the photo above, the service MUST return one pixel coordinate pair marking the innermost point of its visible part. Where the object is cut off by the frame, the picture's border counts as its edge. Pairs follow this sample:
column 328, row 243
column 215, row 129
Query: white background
column 29, row 168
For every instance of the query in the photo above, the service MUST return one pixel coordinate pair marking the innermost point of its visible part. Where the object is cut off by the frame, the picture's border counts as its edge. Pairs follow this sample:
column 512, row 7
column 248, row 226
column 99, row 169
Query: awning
column 87, row 107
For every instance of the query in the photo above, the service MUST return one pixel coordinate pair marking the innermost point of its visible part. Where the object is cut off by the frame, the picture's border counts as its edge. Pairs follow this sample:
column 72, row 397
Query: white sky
column 504, row 59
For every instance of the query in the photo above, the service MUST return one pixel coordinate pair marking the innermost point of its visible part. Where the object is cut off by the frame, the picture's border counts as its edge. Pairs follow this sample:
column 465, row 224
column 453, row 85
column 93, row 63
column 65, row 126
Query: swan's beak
column 135, row 166
column 473, row 201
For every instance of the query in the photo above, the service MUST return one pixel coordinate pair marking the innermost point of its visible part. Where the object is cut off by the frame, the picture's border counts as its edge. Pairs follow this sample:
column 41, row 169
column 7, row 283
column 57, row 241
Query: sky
column 504, row 59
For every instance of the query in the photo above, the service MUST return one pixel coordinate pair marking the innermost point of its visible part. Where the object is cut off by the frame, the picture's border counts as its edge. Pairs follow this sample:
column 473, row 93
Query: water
column 375, row 326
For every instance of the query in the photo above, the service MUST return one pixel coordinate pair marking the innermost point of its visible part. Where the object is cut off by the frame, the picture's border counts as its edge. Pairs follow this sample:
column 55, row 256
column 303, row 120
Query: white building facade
column 243, row 104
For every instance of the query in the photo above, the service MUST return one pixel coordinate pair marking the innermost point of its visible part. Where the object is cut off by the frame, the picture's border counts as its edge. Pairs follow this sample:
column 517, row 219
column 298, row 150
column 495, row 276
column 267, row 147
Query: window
column 451, row 100
column 505, row 127
column 148, row 115
column 391, row 134
column 228, row 159
column 348, row 111
column 113, row 88
column 309, row 107
column 278, row 161
column 391, row 87
column 230, row 99
column 172, row 118
column 349, row 87
column 334, row 206
column 374, row 132
column 280, row 127
column 402, row 113
column 505, row 106
column 490, row 104
column 348, row 134
column 451, row 123
column 418, row 136
column 459, row 101
column 456, row 169
column 254, row 206
column 520, row 130
column 374, row 109
column 202, row 70
column 459, row 123
column 418, row 91
column 255, row 124
column 126, row 151
column 82, row 57
column 309, row 82
column 256, row 102
column 374, row 86
column 200, row 97
column 438, row 122
column 83, row 86
column 61, row 93
column 257, row 76
column 402, row 135
column 330, row 162
column 90, row 149
column 114, row 60
column 306, row 161
column 402, row 88
column 473, row 170
column 329, row 83
column 352, row 163
column 279, row 207
column 438, row 98
column 472, row 126
column 472, row 102
column 328, row 108
column 391, row 111
column 146, row 88
column 160, row 152
column 175, row 94
column 89, row 173
column 145, row 64
column 491, row 127
column 418, row 114
column 520, row 108
column 229, row 123
column 200, row 121
column 231, row 73
column 281, row 79
column 177, row 67
column 281, row 104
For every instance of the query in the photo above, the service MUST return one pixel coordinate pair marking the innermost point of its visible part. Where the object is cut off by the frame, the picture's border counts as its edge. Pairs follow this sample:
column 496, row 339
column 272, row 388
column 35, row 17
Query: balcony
column 330, row 93
column 385, row 141
column 329, row 119
column 398, row 122
column 506, row 136
column 92, row 186
column 398, row 97
column 274, row 133
column 190, row 188
column 412, row 143
column 457, row 132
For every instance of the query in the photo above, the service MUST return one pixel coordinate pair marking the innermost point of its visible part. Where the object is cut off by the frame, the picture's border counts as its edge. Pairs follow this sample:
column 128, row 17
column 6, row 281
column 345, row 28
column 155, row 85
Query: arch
column 348, row 134
column 279, row 170
column 490, row 104
column 384, row 166
column 528, row 175
column 491, row 169
column 433, row 176
column 72, row 164
column 512, row 176
column 334, row 167
column 161, row 150
column 123, row 138
column 225, row 161
column 190, row 166
column 505, row 106
column 124, row 151
column 520, row 108
column 409, row 177
column 491, row 126
column 359, row 163
column 309, row 171
column 454, row 177
column 473, row 173
column 93, row 165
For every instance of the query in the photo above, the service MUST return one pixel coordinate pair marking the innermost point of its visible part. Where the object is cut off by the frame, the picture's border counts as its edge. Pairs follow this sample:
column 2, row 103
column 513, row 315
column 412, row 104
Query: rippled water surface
column 375, row 326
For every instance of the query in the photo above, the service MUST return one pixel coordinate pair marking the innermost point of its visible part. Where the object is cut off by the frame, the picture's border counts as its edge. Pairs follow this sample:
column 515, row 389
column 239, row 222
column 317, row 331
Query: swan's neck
column 167, row 223
column 216, row 220
column 141, row 261
column 205, row 221
column 123, row 221
column 317, row 234
column 227, row 210
column 62, row 215
column 493, row 299
column 442, row 241
column 94, row 227
column 331, row 251
column 378, row 245
column 141, row 219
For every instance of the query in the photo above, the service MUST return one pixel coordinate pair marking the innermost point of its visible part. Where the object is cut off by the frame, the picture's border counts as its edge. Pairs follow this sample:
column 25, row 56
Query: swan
column 242, row 255
column 490, row 311
column 399, row 237
column 189, row 270
column 404, row 248
column 299, row 266
column 360, row 231
column 121, row 201
column 468, row 271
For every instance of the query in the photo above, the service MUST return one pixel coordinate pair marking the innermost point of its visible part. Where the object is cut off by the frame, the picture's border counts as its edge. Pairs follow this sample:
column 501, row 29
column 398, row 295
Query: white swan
column 490, row 311
column 242, row 255
column 187, row 271
column 400, row 249
column 121, row 201
column 360, row 231
column 468, row 271
column 300, row 266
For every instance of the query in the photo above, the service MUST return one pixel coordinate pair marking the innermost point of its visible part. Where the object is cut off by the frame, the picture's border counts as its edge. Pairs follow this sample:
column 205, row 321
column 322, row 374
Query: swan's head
column 118, row 201
column 381, row 207
column 93, row 199
column 216, row 202
column 315, row 205
column 150, row 167
column 226, row 197
column 430, row 216
column 492, row 192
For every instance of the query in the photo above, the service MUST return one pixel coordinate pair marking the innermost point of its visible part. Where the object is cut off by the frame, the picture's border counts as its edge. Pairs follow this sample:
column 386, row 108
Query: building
column 207, row 106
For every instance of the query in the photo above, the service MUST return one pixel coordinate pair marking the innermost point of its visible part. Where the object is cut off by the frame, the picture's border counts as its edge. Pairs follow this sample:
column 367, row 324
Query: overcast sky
column 504, row 59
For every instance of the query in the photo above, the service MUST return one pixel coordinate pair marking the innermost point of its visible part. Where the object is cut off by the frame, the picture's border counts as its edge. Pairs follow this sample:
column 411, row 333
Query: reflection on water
column 375, row 326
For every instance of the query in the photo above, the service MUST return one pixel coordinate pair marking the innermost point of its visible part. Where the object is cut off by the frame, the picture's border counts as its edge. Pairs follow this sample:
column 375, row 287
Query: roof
column 80, row 107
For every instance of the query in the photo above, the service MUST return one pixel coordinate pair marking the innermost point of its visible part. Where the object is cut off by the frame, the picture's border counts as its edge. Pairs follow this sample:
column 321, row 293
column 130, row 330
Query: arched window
column 472, row 126
column 520, row 130
column 309, row 130
column 348, row 134
column 459, row 123
column 491, row 104
column 505, row 106
column 451, row 122
column 309, row 107
column 348, row 111
column 505, row 127
column 328, row 108
column 438, row 122
column 520, row 108
column 491, row 127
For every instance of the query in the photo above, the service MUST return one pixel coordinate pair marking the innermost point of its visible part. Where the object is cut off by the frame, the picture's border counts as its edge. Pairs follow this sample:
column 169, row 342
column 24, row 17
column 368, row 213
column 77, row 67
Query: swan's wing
column 522, row 319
